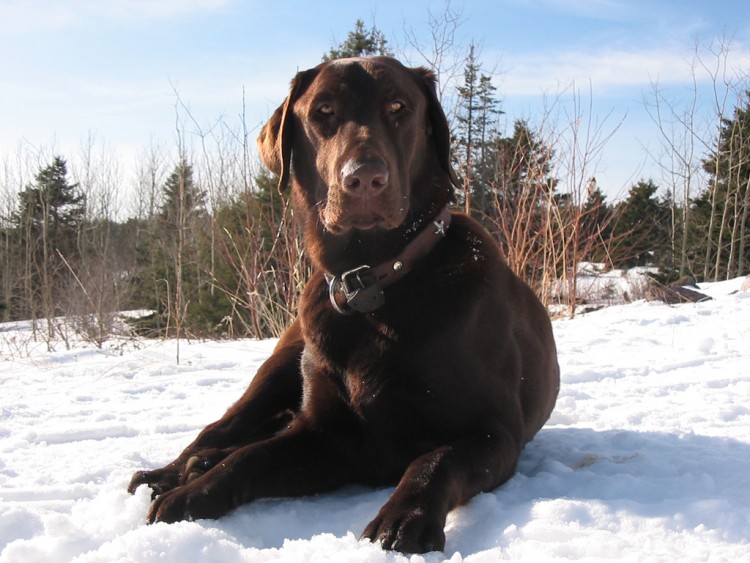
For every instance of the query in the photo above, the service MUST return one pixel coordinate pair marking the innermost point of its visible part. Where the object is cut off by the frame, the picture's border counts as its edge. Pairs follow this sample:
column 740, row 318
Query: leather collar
column 361, row 289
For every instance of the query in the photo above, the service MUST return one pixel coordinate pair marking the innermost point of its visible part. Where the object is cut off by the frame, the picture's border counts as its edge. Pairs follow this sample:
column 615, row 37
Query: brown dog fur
column 437, row 390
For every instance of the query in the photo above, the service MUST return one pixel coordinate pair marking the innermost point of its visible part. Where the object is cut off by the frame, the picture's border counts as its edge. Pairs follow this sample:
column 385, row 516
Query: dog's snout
column 364, row 177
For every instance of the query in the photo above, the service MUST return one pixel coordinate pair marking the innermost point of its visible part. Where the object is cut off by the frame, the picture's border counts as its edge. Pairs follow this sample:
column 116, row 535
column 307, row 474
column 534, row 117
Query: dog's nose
column 364, row 177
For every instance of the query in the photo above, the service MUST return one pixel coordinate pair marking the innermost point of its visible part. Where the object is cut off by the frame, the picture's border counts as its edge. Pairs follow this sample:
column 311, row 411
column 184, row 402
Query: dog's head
column 367, row 144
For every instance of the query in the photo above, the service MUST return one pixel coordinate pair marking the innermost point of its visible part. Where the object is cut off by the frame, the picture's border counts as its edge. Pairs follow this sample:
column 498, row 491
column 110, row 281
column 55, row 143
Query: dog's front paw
column 406, row 529
column 200, row 463
column 160, row 481
column 178, row 472
column 195, row 501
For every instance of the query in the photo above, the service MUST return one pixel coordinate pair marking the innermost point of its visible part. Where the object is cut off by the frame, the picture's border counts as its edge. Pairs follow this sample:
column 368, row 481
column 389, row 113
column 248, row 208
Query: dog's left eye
column 395, row 107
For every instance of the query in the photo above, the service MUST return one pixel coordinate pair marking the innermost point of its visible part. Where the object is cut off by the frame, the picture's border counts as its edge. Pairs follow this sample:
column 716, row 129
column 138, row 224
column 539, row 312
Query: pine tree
column 361, row 42
column 182, row 197
column 521, row 197
column 46, row 226
column 596, row 224
column 52, row 204
column 171, row 277
column 475, row 132
column 722, row 212
column 522, row 169
column 642, row 228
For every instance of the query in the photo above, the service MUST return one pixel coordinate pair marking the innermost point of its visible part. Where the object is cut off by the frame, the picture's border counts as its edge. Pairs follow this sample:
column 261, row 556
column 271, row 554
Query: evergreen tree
column 475, row 133
column 596, row 223
column 522, row 169
column 521, row 197
column 182, row 197
column 54, row 205
column 722, row 213
column 361, row 42
column 46, row 226
column 642, row 228
column 172, row 278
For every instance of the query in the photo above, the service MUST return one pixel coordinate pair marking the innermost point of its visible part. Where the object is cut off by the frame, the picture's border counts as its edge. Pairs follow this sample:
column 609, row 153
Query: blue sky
column 111, row 68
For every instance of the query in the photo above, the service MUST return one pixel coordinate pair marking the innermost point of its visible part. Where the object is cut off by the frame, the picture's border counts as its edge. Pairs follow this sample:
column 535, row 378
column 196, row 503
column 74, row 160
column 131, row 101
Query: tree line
column 210, row 248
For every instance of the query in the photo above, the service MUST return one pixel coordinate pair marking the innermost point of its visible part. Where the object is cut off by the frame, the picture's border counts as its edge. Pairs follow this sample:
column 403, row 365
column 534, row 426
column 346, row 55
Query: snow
column 644, row 459
column 597, row 286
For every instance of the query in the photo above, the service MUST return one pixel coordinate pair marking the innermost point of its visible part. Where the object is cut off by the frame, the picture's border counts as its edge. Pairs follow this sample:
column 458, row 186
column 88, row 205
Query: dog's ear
column 277, row 136
column 269, row 146
column 441, row 134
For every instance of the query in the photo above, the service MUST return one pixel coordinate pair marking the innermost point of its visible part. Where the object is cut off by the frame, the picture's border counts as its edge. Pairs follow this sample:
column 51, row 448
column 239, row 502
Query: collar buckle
column 360, row 289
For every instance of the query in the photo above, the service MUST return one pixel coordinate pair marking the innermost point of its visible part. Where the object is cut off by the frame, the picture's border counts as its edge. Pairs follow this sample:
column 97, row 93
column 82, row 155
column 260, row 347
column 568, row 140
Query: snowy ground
column 646, row 457
column 598, row 287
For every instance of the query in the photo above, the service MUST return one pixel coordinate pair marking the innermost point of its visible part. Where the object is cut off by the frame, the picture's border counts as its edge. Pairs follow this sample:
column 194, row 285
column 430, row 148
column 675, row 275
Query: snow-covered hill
column 646, row 457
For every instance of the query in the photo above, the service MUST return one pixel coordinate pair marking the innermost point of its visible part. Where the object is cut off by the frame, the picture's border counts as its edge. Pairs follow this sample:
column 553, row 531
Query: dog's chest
column 358, row 353
column 359, row 345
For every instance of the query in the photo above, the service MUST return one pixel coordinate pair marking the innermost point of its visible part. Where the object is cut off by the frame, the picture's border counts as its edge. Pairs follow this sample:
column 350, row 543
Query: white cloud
column 23, row 16
column 595, row 9
column 532, row 74
column 151, row 9
column 18, row 16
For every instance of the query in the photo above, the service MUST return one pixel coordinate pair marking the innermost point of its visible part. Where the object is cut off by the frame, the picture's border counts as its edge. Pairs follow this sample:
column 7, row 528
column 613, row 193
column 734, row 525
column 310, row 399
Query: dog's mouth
column 341, row 215
column 360, row 222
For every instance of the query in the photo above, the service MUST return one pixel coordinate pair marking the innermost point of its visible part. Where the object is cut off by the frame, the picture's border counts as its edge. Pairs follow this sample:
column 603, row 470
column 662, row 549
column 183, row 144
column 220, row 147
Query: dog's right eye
column 395, row 107
column 325, row 109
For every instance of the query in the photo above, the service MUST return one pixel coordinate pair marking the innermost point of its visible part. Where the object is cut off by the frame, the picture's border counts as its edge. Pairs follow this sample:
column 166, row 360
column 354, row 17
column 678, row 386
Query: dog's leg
column 413, row 519
column 297, row 462
column 266, row 407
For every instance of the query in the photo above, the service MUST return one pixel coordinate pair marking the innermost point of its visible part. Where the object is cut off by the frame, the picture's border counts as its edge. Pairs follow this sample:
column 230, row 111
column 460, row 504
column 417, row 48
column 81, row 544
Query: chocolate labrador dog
column 417, row 360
